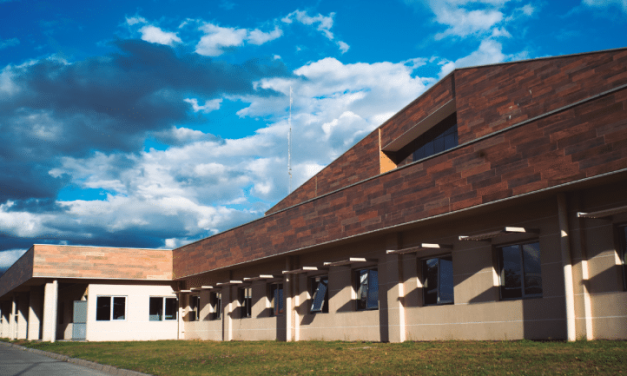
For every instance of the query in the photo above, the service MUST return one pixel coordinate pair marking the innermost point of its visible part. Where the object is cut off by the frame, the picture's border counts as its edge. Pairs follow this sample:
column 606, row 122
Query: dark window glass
column 437, row 143
column 171, row 308
column 277, row 299
column 320, row 295
column 103, row 308
column 438, row 280
column 155, row 309
column 367, row 289
column 119, row 308
column 520, row 271
column 245, row 300
column 215, row 299
column 195, row 308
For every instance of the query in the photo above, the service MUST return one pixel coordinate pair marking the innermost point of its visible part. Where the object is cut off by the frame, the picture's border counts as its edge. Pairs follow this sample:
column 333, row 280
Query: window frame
column 313, row 290
column 215, row 304
column 357, row 286
column 112, row 307
column 424, row 275
column 276, row 311
column 520, row 244
column 245, row 302
column 163, row 308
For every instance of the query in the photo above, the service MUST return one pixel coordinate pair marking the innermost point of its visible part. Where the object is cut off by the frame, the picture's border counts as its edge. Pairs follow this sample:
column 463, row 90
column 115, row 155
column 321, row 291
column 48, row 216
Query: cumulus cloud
column 217, row 39
column 210, row 105
column 154, row 34
column 489, row 52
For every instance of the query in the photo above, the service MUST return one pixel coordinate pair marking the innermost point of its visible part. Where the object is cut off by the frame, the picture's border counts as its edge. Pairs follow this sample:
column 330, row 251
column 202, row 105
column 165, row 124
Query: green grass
column 352, row 358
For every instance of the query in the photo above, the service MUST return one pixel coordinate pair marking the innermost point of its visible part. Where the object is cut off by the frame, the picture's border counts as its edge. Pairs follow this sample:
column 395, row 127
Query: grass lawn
column 352, row 358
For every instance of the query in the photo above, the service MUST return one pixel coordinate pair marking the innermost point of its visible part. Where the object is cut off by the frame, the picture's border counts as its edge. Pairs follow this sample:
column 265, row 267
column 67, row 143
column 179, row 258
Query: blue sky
column 154, row 124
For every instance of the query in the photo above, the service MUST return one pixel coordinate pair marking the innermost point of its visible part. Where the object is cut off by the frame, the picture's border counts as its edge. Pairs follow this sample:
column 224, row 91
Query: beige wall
column 478, row 313
column 136, row 326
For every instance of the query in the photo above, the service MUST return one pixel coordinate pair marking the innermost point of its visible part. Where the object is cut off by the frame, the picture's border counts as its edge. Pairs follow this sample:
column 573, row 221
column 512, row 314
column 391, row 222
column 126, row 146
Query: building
column 492, row 207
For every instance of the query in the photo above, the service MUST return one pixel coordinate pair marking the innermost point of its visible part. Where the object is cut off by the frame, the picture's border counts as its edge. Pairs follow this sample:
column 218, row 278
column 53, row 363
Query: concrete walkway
column 19, row 361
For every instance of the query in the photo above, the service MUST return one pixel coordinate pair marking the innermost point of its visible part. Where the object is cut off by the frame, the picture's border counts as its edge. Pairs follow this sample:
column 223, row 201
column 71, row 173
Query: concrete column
column 562, row 212
column 12, row 317
column 297, row 308
column 34, row 313
column 395, row 297
column 22, row 316
column 287, row 295
column 51, row 297
column 6, row 313
column 227, row 303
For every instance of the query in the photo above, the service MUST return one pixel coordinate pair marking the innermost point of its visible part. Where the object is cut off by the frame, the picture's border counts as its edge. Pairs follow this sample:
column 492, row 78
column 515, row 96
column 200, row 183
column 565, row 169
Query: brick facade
column 20, row 272
column 579, row 142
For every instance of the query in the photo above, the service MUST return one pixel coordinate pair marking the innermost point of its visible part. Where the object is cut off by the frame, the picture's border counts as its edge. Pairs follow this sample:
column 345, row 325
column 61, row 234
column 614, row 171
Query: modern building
column 493, row 207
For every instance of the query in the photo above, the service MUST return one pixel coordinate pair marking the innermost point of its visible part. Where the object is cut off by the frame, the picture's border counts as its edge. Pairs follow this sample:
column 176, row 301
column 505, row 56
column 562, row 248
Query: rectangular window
column 245, row 301
column 437, row 276
column 276, row 291
column 194, row 305
column 162, row 309
column 520, row 271
column 215, row 300
column 367, row 289
column 319, row 294
column 107, row 310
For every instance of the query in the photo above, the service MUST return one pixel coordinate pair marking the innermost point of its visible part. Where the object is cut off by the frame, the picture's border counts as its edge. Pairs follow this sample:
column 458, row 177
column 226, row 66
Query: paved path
column 16, row 362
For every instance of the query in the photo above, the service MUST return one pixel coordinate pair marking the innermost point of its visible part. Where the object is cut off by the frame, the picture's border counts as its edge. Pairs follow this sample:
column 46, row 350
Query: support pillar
column 22, row 316
column 51, row 297
column 12, row 317
column 34, row 313
column 395, row 297
column 228, row 309
column 562, row 213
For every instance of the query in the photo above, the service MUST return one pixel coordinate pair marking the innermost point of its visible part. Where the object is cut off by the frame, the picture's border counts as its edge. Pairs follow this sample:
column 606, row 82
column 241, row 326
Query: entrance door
column 79, row 328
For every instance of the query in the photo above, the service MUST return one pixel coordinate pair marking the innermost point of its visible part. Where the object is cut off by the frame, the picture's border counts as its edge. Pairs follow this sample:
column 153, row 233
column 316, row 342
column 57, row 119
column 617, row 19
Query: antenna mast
column 289, row 146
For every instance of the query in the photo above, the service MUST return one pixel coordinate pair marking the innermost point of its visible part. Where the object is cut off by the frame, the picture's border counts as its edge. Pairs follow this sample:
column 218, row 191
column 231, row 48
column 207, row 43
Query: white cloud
column 9, row 257
column 206, row 184
column 217, row 38
column 135, row 20
column 154, row 34
column 210, row 105
column 606, row 3
column 9, row 43
column 322, row 23
column 489, row 52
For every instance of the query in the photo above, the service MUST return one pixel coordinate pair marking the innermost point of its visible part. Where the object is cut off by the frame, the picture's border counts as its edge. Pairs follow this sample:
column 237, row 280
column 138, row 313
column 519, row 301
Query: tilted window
column 110, row 308
column 276, row 300
column 437, row 282
column 162, row 308
column 245, row 301
column 367, row 289
column 442, row 137
column 520, row 271
column 320, row 294
column 215, row 300
column 194, row 308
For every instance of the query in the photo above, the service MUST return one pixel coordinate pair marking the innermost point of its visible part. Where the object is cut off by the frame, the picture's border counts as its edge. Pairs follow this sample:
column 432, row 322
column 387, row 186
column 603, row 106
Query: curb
column 81, row 362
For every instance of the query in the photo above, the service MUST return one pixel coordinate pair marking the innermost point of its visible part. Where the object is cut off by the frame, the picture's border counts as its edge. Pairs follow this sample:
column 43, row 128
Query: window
column 161, row 308
column 245, row 302
column 215, row 301
column 106, row 310
column 520, row 271
column 194, row 304
column 319, row 294
column 276, row 294
column 437, row 276
column 367, row 289
column 443, row 140
column 623, row 252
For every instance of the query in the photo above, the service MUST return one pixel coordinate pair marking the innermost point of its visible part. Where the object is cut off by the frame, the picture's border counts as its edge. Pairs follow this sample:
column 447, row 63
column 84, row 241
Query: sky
column 158, row 123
